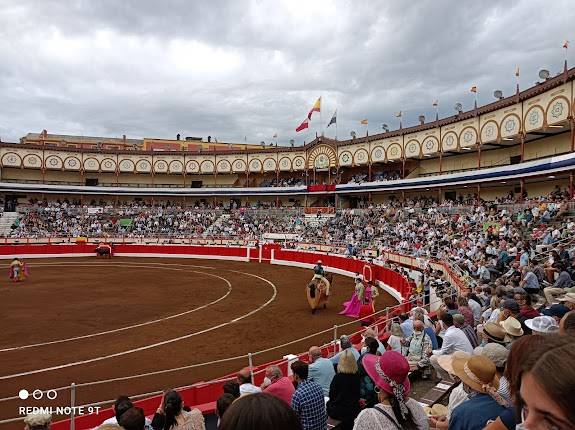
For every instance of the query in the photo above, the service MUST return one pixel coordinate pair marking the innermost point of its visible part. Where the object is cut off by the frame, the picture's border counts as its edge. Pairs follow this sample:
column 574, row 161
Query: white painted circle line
column 165, row 342
column 87, row 336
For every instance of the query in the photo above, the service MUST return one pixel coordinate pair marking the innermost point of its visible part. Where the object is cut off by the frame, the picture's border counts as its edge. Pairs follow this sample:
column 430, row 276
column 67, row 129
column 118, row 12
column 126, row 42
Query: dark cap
column 511, row 305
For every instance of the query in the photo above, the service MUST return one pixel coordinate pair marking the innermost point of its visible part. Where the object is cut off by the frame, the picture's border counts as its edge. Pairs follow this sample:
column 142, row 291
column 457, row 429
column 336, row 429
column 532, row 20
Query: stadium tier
column 522, row 144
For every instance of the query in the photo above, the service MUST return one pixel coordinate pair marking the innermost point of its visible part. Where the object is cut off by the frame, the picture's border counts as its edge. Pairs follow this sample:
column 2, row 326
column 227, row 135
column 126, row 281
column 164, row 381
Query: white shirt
column 476, row 309
column 249, row 389
column 454, row 340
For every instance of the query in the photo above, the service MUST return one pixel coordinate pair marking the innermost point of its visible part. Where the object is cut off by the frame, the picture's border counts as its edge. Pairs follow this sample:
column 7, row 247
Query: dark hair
column 553, row 370
column 403, row 317
column 133, row 419
column 233, row 388
column 569, row 321
column 121, row 405
column 447, row 319
column 372, row 344
column 172, row 408
column 406, row 423
column 223, row 403
column 300, row 369
column 260, row 411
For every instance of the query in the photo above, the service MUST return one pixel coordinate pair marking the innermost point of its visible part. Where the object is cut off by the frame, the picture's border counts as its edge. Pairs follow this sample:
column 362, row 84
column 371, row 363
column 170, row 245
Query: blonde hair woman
column 344, row 394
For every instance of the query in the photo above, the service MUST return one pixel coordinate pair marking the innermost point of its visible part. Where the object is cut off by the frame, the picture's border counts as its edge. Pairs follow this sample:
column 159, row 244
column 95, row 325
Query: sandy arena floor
column 82, row 320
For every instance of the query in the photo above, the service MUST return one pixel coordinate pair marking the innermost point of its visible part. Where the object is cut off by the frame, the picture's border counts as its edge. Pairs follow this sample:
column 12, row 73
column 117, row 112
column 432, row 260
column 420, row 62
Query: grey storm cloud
column 249, row 69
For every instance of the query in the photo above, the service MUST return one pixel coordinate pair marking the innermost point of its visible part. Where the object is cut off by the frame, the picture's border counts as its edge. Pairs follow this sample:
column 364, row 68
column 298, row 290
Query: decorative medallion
column 429, row 144
column 490, row 131
column 53, row 161
column 509, row 125
column 32, row 161
column 449, row 141
column 298, row 162
column 345, row 158
column 284, row 163
column 360, row 156
column 412, row 148
column 269, row 165
column 108, row 164
column 72, row 162
column 534, row 117
column 321, row 161
column 378, row 153
column 238, row 165
column 557, row 109
column 254, row 164
column 394, row 151
column 468, row 136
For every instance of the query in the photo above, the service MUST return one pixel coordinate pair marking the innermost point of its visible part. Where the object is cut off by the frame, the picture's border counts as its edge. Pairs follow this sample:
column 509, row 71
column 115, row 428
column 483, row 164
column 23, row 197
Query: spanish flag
column 364, row 122
column 316, row 108
column 303, row 125
column 473, row 89
column 398, row 114
column 566, row 44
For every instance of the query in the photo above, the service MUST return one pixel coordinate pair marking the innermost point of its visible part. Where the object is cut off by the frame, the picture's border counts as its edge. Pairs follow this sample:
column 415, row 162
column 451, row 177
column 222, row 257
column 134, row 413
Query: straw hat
column 446, row 361
column 569, row 297
column 494, row 332
column 477, row 372
column 512, row 327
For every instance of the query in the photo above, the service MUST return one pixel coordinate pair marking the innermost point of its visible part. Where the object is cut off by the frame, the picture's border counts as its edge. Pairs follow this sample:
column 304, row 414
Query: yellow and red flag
column 473, row 89
column 566, row 44
column 316, row 108
column 364, row 122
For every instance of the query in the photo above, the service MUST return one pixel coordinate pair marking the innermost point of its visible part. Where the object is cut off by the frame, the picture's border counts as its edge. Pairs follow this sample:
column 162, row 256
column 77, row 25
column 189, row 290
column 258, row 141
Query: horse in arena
column 315, row 292
column 103, row 250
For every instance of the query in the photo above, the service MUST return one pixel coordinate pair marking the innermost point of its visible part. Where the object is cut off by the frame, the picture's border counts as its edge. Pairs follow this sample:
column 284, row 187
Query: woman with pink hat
column 394, row 410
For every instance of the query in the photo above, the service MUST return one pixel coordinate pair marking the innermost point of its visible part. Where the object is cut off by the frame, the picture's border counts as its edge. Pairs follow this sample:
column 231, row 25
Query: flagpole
column 320, row 117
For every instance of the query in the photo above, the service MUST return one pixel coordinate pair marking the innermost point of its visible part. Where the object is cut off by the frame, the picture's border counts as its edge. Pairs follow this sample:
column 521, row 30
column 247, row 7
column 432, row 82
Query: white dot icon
column 23, row 394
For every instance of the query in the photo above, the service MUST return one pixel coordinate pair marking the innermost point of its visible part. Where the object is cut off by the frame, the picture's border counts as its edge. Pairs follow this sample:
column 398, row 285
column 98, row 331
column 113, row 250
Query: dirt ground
column 262, row 306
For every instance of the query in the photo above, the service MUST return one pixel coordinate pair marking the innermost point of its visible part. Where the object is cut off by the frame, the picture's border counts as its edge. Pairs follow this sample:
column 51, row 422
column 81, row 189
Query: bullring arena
column 137, row 325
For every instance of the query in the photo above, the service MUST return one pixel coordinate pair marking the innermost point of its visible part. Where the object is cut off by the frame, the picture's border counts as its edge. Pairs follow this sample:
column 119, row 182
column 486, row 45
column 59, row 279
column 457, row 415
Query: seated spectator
column 510, row 308
column 561, row 286
column 457, row 396
column 513, row 330
column 419, row 346
column 233, row 388
column 498, row 355
column 121, row 405
column 308, row 399
column 396, row 338
column 542, row 325
column 38, row 421
column 222, row 405
column 406, row 325
column 320, row 369
column 366, row 383
column 133, row 419
column 478, row 374
column 460, row 323
column 492, row 332
column 171, row 415
column 344, row 392
column 530, row 282
column 568, row 300
column 453, row 340
column 547, row 387
column 245, row 382
column 276, row 384
column 556, row 311
column 394, row 410
column 345, row 344
column 261, row 411
column 372, row 332
column 523, row 299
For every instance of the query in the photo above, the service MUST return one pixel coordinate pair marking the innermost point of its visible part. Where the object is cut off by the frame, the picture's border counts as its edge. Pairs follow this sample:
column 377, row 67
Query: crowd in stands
column 283, row 182
column 361, row 178
column 504, row 342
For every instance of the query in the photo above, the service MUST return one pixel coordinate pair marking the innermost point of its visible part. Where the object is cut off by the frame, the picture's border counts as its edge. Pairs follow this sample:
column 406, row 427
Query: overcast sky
column 249, row 69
